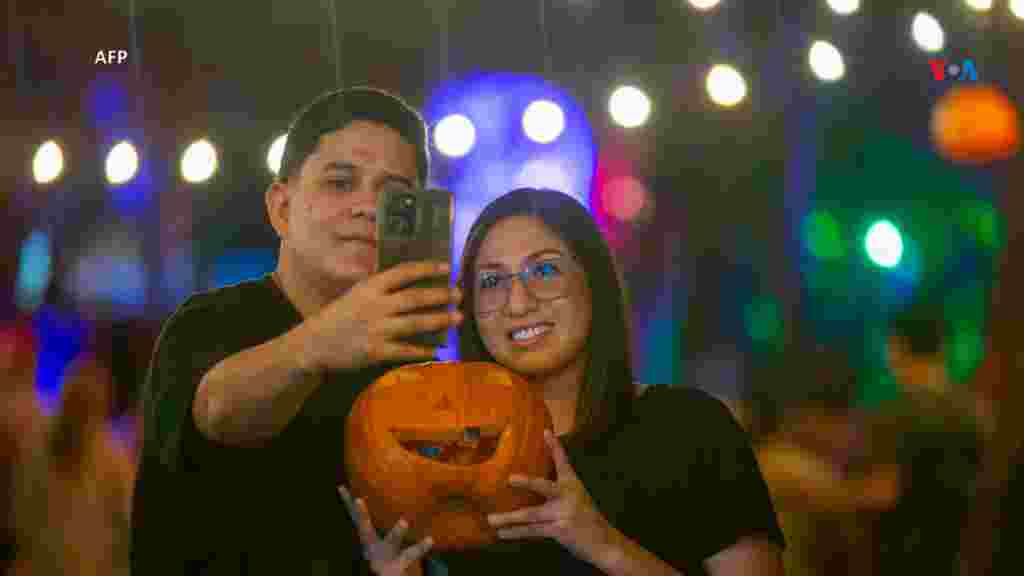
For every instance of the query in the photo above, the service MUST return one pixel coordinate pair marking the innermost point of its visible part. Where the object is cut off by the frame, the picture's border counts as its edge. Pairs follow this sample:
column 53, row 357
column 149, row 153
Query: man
column 932, row 432
column 249, row 385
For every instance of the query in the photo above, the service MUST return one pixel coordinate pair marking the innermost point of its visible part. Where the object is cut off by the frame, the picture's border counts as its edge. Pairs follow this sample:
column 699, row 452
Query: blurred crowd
column 69, row 467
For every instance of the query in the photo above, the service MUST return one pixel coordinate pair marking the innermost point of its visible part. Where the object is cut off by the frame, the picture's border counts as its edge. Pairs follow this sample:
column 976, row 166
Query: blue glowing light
column 34, row 270
column 61, row 337
column 238, row 265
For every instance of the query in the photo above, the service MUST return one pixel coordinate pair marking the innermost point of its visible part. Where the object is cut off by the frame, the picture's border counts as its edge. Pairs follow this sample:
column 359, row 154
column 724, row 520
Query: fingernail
column 492, row 518
column 548, row 435
column 428, row 541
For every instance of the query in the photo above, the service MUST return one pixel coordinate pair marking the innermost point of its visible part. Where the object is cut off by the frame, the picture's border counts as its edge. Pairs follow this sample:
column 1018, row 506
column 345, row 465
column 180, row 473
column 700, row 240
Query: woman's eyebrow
column 531, row 256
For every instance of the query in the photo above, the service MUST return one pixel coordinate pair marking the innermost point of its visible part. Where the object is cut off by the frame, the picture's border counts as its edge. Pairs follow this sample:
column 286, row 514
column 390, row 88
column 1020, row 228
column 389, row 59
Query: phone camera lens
column 400, row 225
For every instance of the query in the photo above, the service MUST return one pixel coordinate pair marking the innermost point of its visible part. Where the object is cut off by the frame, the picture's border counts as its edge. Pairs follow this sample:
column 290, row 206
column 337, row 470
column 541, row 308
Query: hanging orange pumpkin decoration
column 435, row 443
column 975, row 124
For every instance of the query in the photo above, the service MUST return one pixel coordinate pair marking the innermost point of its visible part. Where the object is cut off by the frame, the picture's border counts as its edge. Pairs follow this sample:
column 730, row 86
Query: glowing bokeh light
column 704, row 5
column 927, row 32
column 979, row 5
column 199, row 162
column 624, row 198
column 844, row 7
column 826, row 61
column 275, row 153
column 629, row 106
column 543, row 121
column 547, row 173
column 48, row 162
column 122, row 163
column 726, row 86
column 823, row 236
column 455, row 135
column 884, row 244
column 35, row 269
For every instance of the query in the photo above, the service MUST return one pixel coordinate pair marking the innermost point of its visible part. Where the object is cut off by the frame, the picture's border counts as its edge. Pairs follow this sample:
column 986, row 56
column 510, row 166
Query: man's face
column 326, row 215
column 914, row 372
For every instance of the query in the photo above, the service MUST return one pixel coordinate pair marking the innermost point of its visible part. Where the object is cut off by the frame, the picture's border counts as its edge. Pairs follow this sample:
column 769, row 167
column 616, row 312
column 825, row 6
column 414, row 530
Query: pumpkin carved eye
column 466, row 447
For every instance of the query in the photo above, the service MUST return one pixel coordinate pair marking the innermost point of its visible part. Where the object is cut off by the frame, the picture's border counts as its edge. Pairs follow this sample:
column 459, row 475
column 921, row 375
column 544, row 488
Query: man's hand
column 365, row 326
column 385, row 555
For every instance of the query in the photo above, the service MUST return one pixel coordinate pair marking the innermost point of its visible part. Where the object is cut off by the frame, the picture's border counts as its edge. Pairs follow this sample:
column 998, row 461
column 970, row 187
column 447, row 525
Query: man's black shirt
column 201, row 507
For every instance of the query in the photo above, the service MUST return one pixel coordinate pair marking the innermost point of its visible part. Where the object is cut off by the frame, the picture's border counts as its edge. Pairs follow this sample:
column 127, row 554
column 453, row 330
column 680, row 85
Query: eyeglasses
column 544, row 279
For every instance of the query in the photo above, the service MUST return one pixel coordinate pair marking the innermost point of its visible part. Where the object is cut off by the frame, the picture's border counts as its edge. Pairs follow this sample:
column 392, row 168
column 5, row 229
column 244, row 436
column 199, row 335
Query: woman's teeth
column 531, row 332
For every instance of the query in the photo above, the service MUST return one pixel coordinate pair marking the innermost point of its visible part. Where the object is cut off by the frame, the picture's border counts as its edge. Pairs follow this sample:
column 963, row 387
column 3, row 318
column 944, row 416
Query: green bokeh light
column 823, row 236
column 763, row 320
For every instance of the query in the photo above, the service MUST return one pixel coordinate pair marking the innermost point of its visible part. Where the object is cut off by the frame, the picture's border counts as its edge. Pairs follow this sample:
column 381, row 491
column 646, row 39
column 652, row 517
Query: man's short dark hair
column 921, row 326
column 336, row 110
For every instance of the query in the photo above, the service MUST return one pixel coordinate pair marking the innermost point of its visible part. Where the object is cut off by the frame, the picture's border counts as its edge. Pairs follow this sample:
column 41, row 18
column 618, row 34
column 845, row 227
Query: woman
column 649, row 481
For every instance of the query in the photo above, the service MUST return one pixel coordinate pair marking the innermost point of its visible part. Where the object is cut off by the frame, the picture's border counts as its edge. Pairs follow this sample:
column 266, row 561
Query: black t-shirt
column 1009, row 526
column 678, row 476
column 201, row 507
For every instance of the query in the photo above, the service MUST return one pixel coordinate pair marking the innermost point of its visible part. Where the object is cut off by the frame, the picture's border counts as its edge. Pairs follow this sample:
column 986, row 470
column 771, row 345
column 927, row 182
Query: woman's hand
column 569, row 515
column 385, row 555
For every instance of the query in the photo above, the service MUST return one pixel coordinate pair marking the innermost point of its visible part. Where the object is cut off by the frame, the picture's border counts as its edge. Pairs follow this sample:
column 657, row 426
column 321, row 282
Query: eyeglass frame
column 523, row 276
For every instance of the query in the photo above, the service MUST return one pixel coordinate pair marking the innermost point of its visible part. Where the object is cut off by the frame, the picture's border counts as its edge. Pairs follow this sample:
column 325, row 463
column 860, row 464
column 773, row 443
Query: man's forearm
column 253, row 395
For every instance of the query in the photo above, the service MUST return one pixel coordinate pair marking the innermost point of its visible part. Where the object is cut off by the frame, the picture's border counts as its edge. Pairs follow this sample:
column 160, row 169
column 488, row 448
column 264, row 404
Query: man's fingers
column 399, row 351
column 419, row 323
column 412, row 299
column 408, row 272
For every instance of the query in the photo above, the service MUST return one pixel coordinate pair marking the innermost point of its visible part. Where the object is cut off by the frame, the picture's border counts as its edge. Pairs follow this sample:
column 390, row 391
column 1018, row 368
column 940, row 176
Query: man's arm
column 253, row 395
column 800, row 477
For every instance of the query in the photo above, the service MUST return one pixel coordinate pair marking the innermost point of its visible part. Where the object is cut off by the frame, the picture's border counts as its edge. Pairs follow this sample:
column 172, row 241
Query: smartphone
column 416, row 224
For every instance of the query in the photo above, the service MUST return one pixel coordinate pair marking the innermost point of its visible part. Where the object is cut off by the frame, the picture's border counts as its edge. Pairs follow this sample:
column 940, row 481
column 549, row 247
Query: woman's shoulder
column 670, row 405
column 676, row 397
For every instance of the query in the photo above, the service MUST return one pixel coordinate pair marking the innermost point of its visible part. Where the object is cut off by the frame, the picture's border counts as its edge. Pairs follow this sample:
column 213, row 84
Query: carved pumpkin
column 975, row 124
column 435, row 443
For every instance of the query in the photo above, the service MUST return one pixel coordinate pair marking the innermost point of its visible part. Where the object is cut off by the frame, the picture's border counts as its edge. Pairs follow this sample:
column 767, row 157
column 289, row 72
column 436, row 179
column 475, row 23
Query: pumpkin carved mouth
column 467, row 446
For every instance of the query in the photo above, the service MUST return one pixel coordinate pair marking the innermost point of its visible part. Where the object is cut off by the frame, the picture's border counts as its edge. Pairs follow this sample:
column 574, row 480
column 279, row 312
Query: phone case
column 420, row 229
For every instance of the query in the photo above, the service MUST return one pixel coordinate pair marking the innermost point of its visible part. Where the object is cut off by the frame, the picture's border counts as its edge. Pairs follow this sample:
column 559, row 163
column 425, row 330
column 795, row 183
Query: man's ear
column 277, row 198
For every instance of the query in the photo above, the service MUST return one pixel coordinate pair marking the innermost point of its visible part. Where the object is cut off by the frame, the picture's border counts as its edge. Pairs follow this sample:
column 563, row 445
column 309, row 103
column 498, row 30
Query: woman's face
column 536, row 328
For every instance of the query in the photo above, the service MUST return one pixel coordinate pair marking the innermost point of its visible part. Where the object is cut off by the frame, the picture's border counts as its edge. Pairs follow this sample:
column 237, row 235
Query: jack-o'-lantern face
column 435, row 443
